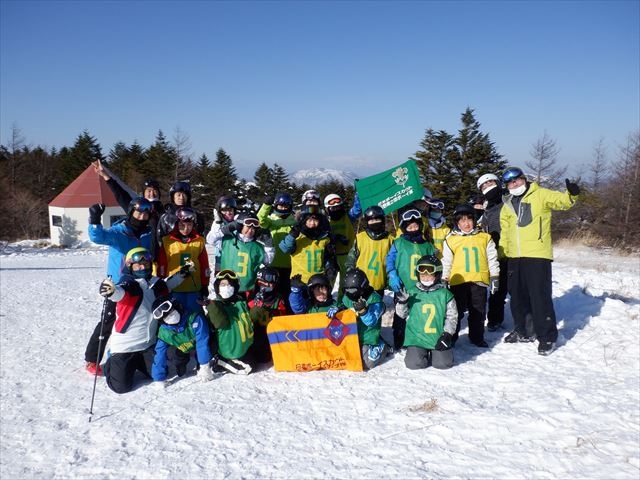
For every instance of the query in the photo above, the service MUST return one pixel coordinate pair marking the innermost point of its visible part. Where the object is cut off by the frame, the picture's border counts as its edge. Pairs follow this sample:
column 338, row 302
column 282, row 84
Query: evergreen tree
column 74, row 160
column 223, row 176
column 450, row 166
column 264, row 182
column 280, row 179
column 160, row 162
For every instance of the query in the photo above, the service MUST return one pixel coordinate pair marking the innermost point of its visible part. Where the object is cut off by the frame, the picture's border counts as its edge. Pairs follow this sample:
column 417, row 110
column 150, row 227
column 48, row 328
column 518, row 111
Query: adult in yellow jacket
column 525, row 224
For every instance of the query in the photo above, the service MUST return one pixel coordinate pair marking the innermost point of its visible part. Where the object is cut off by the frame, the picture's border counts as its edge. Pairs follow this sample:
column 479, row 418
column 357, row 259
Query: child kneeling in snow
column 369, row 308
column 133, row 336
column 233, row 327
column 431, row 315
column 186, row 331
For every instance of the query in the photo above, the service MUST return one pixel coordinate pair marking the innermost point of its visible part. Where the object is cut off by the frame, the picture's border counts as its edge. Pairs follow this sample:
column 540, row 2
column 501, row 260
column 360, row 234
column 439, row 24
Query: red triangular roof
column 84, row 191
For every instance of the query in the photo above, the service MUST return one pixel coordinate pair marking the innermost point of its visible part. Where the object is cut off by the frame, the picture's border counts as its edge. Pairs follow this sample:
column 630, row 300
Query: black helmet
column 163, row 305
column 229, row 275
column 410, row 216
column 227, row 202
column 465, row 209
column 140, row 204
column 186, row 214
column 247, row 219
column 268, row 275
column 430, row 264
column 151, row 183
column 181, row 187
column 317, row 280
column 372, row 212
column 356, row 284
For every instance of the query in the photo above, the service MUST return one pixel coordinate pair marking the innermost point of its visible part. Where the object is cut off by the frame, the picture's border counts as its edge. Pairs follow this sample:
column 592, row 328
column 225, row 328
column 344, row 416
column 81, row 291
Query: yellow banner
column 312, row 341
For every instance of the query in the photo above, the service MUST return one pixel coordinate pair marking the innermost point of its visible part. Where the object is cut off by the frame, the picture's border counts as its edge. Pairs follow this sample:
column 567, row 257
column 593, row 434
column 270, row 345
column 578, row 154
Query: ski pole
column 100, row 338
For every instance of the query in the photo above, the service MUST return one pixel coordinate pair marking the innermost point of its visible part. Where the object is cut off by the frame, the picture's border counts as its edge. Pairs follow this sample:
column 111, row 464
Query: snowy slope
column 505, row 412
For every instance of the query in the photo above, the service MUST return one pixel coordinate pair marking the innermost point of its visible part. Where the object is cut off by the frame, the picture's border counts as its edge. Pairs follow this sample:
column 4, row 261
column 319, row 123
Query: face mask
column 226, row 291
column 136, row 224
column 435, row 215
column 376, row 227
column 492, row 194
column 427, row 283
column 144, row 273
column 516, row 192
column 173, row 318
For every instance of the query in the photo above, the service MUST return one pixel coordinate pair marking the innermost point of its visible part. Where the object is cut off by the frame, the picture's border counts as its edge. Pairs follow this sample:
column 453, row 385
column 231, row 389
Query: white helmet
column 310, row 195
column 332, row 200
column 486, row 178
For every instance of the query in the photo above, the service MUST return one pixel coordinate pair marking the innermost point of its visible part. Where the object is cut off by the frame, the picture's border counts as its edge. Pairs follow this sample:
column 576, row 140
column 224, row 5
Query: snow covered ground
column 505, row 412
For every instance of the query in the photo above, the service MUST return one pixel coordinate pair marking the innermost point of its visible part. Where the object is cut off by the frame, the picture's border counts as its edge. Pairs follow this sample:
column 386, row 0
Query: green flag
column 391, row 189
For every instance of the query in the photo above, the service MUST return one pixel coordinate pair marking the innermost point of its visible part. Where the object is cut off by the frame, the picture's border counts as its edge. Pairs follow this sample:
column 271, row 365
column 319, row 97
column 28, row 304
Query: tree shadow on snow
column 574, row 309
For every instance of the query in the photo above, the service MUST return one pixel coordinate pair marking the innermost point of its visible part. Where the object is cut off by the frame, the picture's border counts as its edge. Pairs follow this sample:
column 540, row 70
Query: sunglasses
column 160, row 310
column 428, row 269
column 228, row 274
column 251, row 222
column 411, row 215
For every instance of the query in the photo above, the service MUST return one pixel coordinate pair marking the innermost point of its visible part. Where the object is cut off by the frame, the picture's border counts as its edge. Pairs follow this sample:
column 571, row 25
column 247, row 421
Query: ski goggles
column 427, row 268
column 227, row 274
column 351, row 291
column 186, row 216
column 411, row 215
column 437, row 204
column 251, row 222
column 138, row 257
column 511, row 174
column 162, row 309
column 334, row 202
column 267, row 278
column 143, row 207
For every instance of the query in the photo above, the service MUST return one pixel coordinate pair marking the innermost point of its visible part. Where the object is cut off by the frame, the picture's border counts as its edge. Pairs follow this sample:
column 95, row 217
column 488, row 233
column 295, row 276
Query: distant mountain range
column 314, row 176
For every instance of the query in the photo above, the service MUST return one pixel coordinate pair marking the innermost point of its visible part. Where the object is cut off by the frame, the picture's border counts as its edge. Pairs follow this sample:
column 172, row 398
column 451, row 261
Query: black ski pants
column 120, row 368
column 495, row 314
column 529, row 285
column 94, row 350
column 471, row 297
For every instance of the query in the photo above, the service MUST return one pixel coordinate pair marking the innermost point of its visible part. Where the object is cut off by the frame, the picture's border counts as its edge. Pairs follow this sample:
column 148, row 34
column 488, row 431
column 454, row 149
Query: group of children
column 279, row 261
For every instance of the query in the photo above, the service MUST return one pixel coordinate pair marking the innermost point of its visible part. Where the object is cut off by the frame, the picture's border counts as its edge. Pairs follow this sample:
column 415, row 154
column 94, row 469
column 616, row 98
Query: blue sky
column 337, row 84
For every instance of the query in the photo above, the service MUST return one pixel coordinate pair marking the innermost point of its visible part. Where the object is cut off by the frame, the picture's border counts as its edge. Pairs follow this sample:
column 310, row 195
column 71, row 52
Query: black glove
column 572, row 188
column 229, row 228
column 444, row 342
column 268, row 200
column 187, row 268
column 342, row 239
column 360, row 306
column 95, row 213
column 204, row 292
column 297, row 283
column 295, row 231
column 107, row 288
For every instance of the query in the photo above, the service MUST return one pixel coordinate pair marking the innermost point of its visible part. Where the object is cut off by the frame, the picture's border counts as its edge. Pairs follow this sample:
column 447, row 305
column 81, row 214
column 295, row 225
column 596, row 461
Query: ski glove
column 107, row 287
column 295, row 231
column 268, row 200
column 331, row 313
column 444, row 342
column 204, row 292
column 495, row 285
column 297, row 285
column 205, row 374
column 572, row 188
column 95, row 213
column 402, row 296
column 360, row 306
column 394, row 281
column 187, row 268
